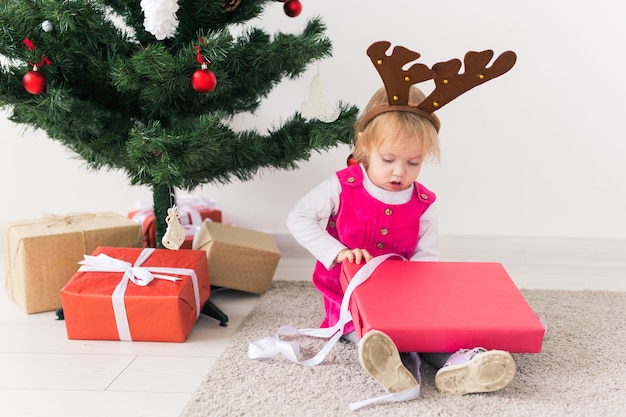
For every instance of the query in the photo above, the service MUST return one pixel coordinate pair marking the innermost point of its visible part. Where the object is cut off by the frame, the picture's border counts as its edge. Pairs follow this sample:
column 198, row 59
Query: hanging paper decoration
column 318, row 107
column 203, row 80
column 160, row 17
column 34, row 81
column 175, row 234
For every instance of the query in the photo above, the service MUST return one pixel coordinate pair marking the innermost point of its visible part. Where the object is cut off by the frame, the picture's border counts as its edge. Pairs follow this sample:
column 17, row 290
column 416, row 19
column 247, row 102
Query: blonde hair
column 395, row 126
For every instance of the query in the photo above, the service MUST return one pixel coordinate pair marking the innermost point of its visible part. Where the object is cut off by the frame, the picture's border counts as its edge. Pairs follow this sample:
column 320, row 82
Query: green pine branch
column 185, row 159
column 121, row 99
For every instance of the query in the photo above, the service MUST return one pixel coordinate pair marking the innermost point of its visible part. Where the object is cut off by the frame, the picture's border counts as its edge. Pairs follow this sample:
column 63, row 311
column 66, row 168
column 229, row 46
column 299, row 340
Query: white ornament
column 46, row 25
column 160, row 17
column 318, row 106
column 174, row 236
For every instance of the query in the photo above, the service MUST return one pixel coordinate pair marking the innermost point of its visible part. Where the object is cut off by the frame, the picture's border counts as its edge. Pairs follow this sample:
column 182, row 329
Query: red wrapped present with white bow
column 136, row 294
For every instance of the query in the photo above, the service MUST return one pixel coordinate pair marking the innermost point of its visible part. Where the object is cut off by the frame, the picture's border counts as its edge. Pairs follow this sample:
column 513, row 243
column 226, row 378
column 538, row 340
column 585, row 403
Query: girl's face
column 395, row 166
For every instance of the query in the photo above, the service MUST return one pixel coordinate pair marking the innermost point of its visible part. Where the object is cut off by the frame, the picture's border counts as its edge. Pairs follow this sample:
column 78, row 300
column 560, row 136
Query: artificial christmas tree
column 118, row 87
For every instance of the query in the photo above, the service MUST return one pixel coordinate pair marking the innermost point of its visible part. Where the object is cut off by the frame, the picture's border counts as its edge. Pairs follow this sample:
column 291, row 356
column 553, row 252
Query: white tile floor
column 44, row 374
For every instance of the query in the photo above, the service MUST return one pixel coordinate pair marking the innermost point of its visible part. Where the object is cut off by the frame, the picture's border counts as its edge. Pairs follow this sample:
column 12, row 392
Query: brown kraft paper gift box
column 238, row 258
column 41, row 255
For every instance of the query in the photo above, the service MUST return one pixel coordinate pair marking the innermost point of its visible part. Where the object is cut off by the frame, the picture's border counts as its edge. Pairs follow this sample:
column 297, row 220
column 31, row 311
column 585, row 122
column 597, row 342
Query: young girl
column 376, row 207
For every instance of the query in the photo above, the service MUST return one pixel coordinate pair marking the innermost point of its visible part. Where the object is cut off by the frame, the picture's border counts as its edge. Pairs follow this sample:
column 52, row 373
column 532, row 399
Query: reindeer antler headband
column 449, row 84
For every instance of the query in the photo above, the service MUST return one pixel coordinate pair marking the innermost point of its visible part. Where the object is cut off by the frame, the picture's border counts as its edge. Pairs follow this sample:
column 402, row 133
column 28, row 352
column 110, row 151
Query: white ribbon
column 193, row 229
column 195, row 201
column 142, row 210
column 140, row 276
column 406, row 395
column 272, row 346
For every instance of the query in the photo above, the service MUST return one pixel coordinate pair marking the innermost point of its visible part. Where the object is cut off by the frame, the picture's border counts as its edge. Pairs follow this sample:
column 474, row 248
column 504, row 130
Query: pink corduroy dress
column 367, row 223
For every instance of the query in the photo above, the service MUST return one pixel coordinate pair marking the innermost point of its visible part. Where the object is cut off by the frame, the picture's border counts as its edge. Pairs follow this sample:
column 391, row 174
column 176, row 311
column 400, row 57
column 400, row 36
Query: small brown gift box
column 239, row 258
column 41, row 255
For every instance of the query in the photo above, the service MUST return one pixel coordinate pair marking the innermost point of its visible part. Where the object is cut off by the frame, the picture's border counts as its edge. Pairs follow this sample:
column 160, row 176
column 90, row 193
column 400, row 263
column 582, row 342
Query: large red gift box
column 161, row 311
column 444, row 306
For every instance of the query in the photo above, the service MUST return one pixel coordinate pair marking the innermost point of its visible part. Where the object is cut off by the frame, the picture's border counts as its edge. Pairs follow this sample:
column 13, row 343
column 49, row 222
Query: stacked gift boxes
column 43, row 259
column 443, row 306
column 136, row 294
column 194, row 210
column 41, row 255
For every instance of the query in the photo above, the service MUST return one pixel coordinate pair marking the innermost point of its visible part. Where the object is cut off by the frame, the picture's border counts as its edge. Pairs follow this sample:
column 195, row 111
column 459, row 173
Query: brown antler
column 449, row 84
column 398, row 81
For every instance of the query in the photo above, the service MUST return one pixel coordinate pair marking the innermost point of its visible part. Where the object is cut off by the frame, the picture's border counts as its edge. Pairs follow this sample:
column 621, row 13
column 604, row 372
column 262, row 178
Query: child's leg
column 436, row 360
column 380, row 358
column 475, row 370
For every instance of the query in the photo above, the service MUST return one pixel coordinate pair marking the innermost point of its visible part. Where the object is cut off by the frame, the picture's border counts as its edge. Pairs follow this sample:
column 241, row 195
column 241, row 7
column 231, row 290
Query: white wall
column 538, row 152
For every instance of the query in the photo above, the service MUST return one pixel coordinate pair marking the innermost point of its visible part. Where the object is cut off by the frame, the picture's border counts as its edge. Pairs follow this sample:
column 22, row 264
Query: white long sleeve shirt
column 307, row 220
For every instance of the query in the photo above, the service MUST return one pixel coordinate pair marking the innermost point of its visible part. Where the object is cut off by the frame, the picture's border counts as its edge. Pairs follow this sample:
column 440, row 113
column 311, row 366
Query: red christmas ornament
column 34, row 81
column 203, row 80
column 292, row 8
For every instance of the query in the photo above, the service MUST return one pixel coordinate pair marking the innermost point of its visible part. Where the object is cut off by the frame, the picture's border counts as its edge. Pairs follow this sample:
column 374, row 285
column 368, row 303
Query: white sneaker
column 379, row 357
column 476, row 370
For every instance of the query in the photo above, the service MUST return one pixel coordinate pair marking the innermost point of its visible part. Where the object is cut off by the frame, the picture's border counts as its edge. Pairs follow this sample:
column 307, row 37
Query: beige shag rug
column 580, row 372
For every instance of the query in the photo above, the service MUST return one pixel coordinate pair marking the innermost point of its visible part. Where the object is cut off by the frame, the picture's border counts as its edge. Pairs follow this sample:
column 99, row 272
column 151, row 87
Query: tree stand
column 213, row 311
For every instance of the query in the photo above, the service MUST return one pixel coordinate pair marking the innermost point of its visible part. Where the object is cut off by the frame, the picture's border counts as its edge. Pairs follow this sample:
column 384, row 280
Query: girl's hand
column 353, row 256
